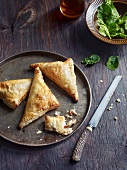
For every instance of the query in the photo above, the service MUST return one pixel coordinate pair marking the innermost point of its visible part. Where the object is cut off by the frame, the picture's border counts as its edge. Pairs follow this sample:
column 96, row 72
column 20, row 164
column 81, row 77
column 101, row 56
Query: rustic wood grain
column 38, row 25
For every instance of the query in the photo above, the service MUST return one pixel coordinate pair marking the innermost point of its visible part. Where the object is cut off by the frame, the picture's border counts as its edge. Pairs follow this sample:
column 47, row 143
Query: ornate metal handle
column 80, row 145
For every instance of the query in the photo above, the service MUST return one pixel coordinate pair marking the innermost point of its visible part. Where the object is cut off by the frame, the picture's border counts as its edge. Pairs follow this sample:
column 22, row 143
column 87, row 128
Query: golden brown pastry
column 13, row 92
column 62, row 73
column 40, row 100
column 57, row 124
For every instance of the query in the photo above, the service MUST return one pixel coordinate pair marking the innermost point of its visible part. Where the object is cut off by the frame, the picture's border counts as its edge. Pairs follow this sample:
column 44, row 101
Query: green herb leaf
column 103, row 30
column 113, row 62
column 92, row 59
column 110, row 23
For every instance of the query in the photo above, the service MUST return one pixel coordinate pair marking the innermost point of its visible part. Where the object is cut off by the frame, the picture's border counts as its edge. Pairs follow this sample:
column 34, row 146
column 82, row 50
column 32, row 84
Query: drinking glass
column 72, row 8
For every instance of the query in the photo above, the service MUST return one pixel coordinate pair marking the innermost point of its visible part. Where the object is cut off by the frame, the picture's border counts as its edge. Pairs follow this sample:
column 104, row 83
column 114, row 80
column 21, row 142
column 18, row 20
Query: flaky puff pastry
column 57, row 124
column 40, row 100
column 62, row 73
column 13, row 92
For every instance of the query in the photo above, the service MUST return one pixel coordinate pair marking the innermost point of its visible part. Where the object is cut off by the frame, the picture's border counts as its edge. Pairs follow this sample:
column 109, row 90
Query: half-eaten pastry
column 62, row 73
column 40, row 100
column 57, row 124
column 13, row 92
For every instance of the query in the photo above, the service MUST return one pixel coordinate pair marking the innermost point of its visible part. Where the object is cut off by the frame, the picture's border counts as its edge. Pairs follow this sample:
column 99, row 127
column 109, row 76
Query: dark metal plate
column 17, row 67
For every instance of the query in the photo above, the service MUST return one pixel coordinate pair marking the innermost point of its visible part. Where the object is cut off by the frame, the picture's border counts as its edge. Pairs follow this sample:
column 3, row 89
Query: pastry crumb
column 71, row 122
column 73, row 112
column 57, row 124
column 110, row 107
column 56, row 113
column 115, row 118
column 101, row 81
column 39, row 139
column 118, row 100
column 38, row 132
column 68, row 116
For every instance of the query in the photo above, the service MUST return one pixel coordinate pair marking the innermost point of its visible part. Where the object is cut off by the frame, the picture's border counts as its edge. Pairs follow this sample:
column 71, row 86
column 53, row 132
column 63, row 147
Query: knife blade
column 95, row 119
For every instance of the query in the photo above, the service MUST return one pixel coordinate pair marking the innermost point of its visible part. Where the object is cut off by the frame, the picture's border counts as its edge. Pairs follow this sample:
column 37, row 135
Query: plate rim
column 89, row 22
column 4, row 61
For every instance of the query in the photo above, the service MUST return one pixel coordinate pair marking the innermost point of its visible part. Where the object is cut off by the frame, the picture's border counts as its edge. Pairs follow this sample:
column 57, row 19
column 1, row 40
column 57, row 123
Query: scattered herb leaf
column 113, row 62
column 110, row 23
column 92, row 59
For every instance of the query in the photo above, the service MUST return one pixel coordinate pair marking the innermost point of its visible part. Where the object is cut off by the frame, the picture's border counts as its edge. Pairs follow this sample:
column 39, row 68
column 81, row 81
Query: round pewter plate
column 17, row 67
column 91, row 20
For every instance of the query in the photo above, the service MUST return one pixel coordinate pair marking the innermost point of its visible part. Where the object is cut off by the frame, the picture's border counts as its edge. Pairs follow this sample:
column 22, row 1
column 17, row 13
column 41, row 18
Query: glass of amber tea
column 72, row 8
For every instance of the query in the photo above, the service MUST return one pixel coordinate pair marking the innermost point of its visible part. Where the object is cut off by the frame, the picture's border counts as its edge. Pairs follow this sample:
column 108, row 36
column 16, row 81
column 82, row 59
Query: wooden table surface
column 48, row 30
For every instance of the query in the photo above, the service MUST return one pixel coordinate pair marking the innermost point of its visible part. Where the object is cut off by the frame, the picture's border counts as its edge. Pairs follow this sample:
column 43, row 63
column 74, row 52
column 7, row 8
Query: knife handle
column 77, row 153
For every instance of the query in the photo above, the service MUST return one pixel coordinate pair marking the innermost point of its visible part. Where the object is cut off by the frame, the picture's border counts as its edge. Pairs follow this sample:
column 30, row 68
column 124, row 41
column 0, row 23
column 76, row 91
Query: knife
column 95, row 119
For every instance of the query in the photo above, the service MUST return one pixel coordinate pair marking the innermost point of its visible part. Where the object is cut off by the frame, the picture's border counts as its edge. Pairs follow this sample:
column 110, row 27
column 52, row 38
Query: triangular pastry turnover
column 62, row 73
column 13, row 92
column 40, row 100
